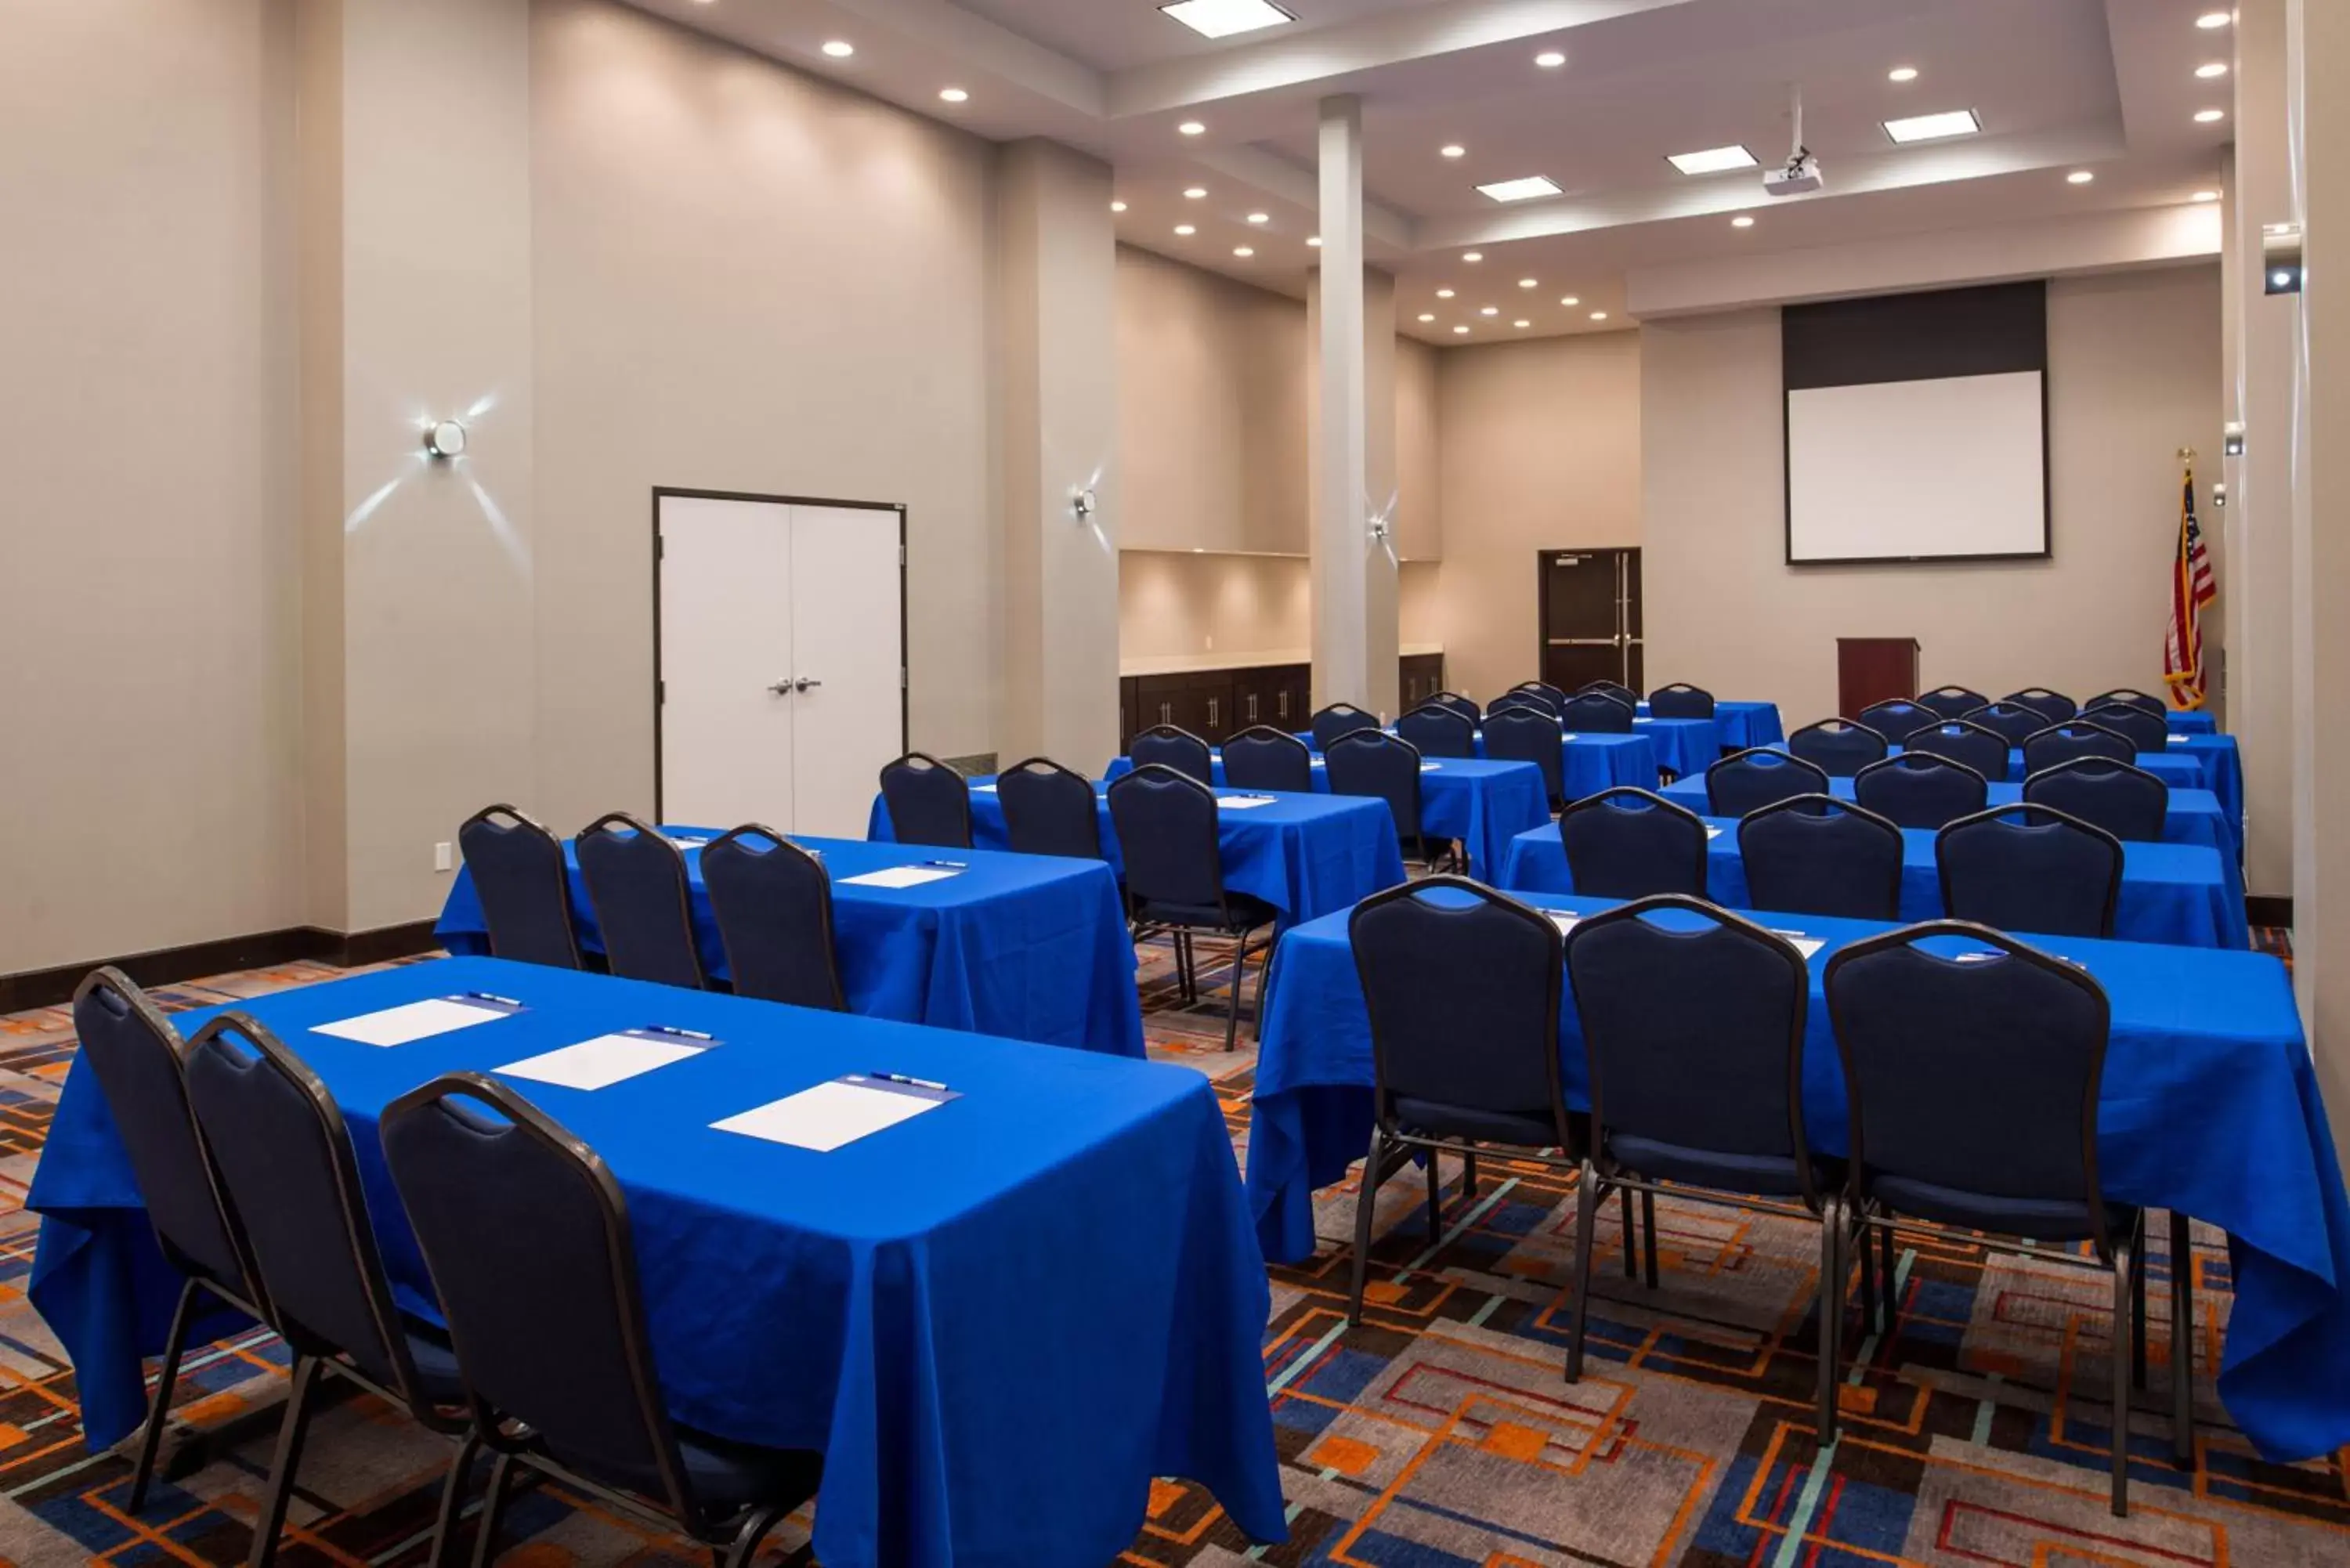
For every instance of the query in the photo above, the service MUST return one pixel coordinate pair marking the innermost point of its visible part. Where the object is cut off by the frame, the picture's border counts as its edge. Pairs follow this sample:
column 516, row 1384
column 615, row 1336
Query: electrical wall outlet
column 444, row 857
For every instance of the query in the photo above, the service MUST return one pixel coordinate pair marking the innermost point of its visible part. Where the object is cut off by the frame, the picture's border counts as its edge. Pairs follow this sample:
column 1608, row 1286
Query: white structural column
column 1056, row 268
column 1353, row 573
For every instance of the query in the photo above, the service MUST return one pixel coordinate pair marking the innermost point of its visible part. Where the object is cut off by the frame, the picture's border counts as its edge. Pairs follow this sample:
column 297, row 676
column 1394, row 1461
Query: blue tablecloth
column 1683, row 745
column 2177, row 772
column 1739, row 726
column 1016, row 945
column 999, row 1320
column 2210, row 1106
column 1589, row 762
column 1483, row 804
column 1305, row 855
column 2172, row 893
column 2184, row 721
column 2221, row 764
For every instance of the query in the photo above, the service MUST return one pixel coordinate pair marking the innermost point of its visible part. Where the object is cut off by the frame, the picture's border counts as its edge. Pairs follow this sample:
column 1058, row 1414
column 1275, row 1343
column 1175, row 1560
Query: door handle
column 1284, row 705
column 781, row 688
column 1166, row 712
column 1211, row 713
column 1251, row 707
column 804, row 684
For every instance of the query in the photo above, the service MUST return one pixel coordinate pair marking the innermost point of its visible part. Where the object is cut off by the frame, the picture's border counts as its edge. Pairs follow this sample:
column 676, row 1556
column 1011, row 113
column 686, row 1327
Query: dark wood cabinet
column 1216, row 703
column 1873, row 669
column 1419, row 677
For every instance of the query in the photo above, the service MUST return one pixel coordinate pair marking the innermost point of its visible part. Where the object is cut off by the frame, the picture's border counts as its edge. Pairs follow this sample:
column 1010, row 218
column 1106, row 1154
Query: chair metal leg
column 1233, row 1009
column 1469, row 1177
column 1631, row 1235
column 1829, row 1329
column 2137, row 1310
column 282, row 1466
column 1263, row 978
column 150, row 1441
column 2125, row 1264
column 746, row 1540
column 493, row 1507
column 1586, row 1219
column 1366, row 1199
column 2183, row 1341
column 1887, row 1266
column 1435, row 1200
column 1648, row 1236
column 1867, row 1250
column 452, row 1500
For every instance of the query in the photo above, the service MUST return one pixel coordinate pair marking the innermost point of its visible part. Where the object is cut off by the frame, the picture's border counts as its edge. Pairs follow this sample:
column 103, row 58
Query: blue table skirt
column 2187, row 722
column 1739, row 726
column 1684, row 746
column 999, row 1320
column 1589, row 762
column 2210, row 1106
column 1016, row 945
column 1482, row 804
column 1305, row 855
column 2171, row 893
column 2221, row 764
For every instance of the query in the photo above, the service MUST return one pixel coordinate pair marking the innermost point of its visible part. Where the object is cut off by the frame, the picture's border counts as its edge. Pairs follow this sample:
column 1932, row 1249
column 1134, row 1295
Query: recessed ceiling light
column 1743, row 221
column 1222, row 18
column 954, row 95
column 1444, row 294
column 2210, row 116
column 1522, row 323
column 1489, row 310
column 1195, row 193
column 1454, row 150
column 2210, row 68
column 2204, row 196
column 1244, row 252
column 1529, row 283
column 2079, row 177
column 1569, row 299
column 1260, row 217
column 2211, row 20
column 1314, row 240
column 1550, row 59
column 1473, row 255
column 1185, row 229
column 1118, row 207
column 1711, row 161
column 1461, row 329
column 1192, row 128
column 1902, row 74
column 1934, row 127
column 1531, row 187
column 1598, row 316
column 840, row 49
column 1428, row 316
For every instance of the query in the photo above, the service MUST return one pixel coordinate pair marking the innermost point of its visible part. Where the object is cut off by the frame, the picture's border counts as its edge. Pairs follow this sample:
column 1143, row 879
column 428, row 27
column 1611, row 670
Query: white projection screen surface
column 1918, row 471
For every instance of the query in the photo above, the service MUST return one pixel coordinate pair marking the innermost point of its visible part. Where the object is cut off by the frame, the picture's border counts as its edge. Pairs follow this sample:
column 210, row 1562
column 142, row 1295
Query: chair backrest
column 1167, row 833
column 1549, row 698
column 1527, row 736
column 1628, row 843
column 526, row 890
column 285, row 1158
column 2146, row 732
column 1752, row 779
column 929, row 802
column 1597, row 714
column 1377, row 764
column 1615, row 688
column 1558, row 695
column 1466, row 707
column 1340, row 719
column 1262, row 757
column 1438, row 731
column 644, row 904
column 135, row 1053
column 1919, row 789
column 1531, row 701
column 2129, row 697
column 1951, row 702
column 1971, row 1076
column 2075, row 738
column 773, row 902
column 2012, row 722
column 2127, row 802
column 2039, row 700
column 1895, row 716
column 1462, row 985
column 1814, row 855
column 1049, row 810
column 1837, row 747
column 525, row 1233
column 1680, row 700
column 2030, row 867
column 1985, row 751
column 1664, row 1007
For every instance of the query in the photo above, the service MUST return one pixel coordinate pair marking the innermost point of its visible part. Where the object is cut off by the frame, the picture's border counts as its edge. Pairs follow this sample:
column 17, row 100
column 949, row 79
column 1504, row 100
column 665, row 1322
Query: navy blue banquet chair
column 1973, row 1090
column 644, row 904
column 1680, row 700
column 1167, row 830
column 1171, row 747
column 2129, row 697
column 2030, row 868
column 1752, row 779
column 525, row 1232
column 1985, row 751
column 1552, row 697
column 2039, row 700
column 1466, row 707
column 1615, row 688
column 2012, row 722
column 1597, row 713
column 1628, row 843
column 1895, row 716
column 1047, row 810
column 1951, row 702
column 525, row 891
column 2125, row 801
column 135, row 1054
column 1812, row 855
column 929, row 802
column 1837, row 747
column 2144, row 730
column 2077, row 738
column 773, row 903
column 1438, row 731
column 1528, row 735
column 1721, row 1006
column 285, row 1163
column 1919, row 789
column 1262, row 757
column 1340, row 719
column 1377, row 765
column 1531, row 701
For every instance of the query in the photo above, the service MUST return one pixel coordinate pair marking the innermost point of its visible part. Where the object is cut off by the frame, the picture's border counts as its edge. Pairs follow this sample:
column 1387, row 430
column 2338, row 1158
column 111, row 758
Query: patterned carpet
column 1440, row 1435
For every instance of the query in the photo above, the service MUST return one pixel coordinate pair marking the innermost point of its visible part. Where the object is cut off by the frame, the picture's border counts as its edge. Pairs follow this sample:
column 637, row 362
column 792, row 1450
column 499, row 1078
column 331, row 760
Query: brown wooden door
column 1590, row 617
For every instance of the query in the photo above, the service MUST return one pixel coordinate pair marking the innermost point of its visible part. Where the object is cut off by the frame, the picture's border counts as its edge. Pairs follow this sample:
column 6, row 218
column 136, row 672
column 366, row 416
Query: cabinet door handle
column 1212, row 712
column 1166, row 712
column 1251, row 707
column 1284, row 705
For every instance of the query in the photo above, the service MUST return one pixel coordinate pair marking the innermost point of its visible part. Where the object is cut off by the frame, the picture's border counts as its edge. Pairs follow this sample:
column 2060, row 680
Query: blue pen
column 486, row 996
column 948, row 865
column 910, row 1083
column 679, row 1034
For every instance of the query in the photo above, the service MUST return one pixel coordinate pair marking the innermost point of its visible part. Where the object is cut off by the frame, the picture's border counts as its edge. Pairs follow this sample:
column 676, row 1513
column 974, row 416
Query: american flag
column 2191, row 587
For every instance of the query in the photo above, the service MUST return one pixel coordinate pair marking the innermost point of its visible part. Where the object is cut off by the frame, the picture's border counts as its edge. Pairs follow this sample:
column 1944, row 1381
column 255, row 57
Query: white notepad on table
column 982, row 789
column 1564, row 921
column 902, row 875
column 1240, row 802
column 1802, row 944
column 602, row 1061
column 1712, row 831
column 1429, row 767
column 1570, row 735
column 414, row 1020
column 830, row 1116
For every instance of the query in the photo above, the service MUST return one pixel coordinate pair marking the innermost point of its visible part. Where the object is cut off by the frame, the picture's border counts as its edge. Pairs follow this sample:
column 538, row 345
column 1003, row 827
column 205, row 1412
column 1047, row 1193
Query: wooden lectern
column 1871, row 669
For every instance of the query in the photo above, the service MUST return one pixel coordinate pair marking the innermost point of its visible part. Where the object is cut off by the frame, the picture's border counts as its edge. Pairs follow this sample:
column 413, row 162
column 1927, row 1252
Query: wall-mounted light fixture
column 1082, row 503
column 2219, row 496
column 444, row 439
column 2281, row 259
column 2231, row 442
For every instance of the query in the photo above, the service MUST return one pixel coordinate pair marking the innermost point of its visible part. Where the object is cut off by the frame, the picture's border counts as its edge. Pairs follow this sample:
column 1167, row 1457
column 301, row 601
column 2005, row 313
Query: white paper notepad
column 1564, row 922
column 982, row 789
column 1712, row 832
column 1240, row 802
column 1570, row 735
column 412, row 1021
column 599, row 1062
column 1429, row 767
column 828, row 1116
column 902, row 876
column 1802, row 944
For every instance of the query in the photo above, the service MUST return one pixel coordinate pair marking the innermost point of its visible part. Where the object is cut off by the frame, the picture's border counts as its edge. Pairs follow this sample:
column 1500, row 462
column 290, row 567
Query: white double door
column 781, row 676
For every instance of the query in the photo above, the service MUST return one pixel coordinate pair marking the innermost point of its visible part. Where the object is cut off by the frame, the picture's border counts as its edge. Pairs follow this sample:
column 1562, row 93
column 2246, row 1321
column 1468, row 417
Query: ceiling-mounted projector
column 1800, row 175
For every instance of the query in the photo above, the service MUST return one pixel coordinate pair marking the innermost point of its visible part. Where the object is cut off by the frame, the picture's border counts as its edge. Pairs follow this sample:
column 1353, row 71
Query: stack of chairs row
column 1972, row 1088
column 1446, row 724
column 249, row 1174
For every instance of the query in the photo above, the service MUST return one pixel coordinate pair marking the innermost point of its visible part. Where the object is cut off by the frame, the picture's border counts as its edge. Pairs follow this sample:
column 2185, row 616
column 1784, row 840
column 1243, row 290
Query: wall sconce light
column 2281, row 259
column 2232, row 438
column 444, row 439
column 2219, row 496
column 1082, row 503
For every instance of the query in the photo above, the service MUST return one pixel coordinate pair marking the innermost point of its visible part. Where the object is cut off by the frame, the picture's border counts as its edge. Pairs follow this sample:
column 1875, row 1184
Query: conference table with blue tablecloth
column 998, row 1320
column 1305, row 855
column 1589, row 762
column 2210, row 1105
column 2172, row 893
column 1684, row 746
column 1482, row 804
column 2191, row 722
column 2221, row 762
column 1016, row 945
column 1738, row 725
column 2177, row 772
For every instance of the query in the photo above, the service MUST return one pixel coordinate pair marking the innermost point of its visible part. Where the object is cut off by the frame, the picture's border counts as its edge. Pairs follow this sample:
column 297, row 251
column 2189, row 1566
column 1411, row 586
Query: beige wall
column 1419, row 457
column 1176, row 603
column 147, row 373
column 2132, row 358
